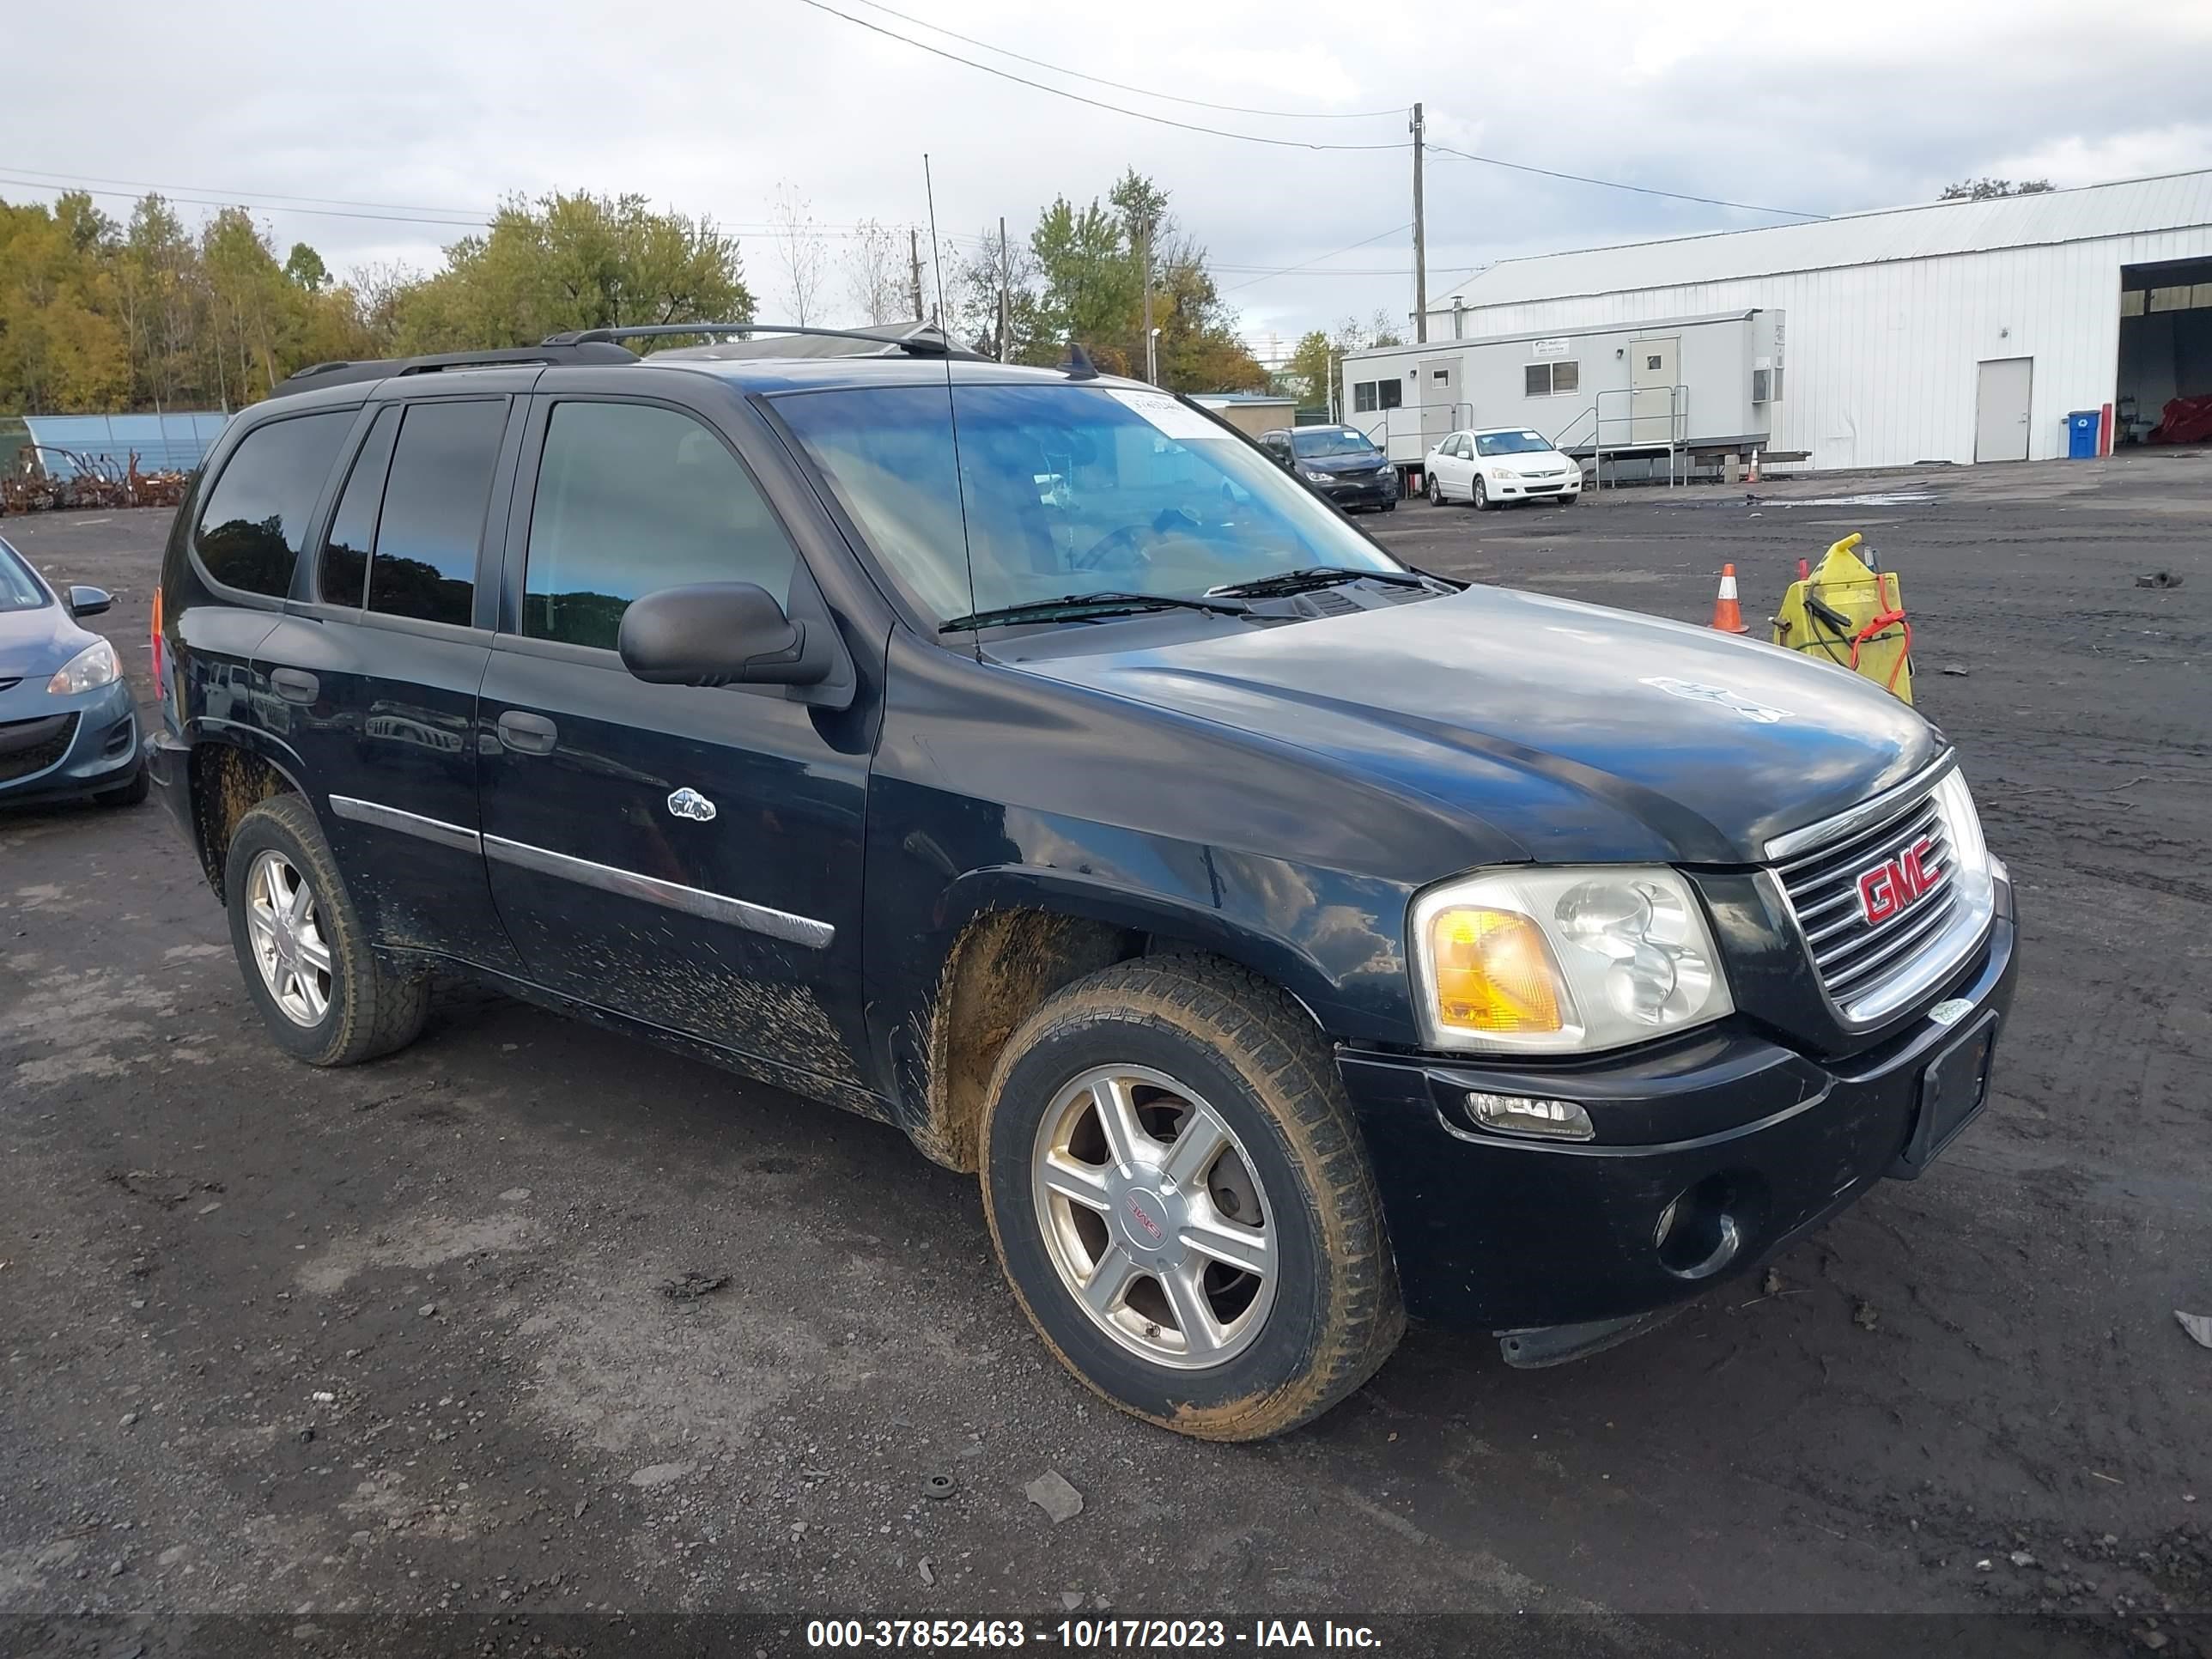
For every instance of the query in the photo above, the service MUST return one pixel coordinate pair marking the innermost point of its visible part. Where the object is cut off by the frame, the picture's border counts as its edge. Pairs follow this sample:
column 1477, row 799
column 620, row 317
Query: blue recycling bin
column 2081, row 428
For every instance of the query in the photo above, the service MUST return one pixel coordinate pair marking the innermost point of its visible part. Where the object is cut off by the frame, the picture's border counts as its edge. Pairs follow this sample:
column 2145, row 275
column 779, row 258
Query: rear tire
column 1248, row 1284
column 308, row 966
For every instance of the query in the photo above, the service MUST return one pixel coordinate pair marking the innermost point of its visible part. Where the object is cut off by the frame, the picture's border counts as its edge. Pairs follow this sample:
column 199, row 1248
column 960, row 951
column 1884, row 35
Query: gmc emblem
column 1891, row 887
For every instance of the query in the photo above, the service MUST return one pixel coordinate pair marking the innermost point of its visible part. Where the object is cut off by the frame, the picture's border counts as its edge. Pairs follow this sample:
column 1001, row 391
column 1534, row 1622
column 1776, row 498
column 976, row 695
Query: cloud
column 444, row 106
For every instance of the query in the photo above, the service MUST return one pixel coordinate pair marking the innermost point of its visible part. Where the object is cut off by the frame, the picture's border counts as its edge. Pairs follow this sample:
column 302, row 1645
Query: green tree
column 305, row 268
column 571, row 262
column 1312, row 367
column 1983, row 190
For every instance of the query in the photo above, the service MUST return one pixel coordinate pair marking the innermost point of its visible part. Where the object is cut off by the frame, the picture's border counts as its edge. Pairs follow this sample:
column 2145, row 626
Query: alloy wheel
column 288, row 946
column 1154, row 1218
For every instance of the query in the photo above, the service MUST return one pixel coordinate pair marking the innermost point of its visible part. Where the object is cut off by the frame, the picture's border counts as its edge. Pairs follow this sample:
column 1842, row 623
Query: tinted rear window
column 256, row 518
column 434, row 511
column 344, row 575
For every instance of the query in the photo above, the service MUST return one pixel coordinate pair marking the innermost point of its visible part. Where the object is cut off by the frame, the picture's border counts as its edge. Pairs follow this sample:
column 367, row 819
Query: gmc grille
column 1855, row 958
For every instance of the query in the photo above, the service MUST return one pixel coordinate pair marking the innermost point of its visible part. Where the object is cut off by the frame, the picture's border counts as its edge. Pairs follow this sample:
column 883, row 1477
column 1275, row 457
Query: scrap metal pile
column 85, row 481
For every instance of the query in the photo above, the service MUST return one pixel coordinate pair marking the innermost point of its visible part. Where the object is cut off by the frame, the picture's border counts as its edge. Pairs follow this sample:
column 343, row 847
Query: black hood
column 1575, row 733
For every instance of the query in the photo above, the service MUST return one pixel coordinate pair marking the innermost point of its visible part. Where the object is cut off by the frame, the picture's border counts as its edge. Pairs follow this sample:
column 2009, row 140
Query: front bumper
column 1506, row 1233
column 1363, row 492
column 60, row 747
column 1533, row 489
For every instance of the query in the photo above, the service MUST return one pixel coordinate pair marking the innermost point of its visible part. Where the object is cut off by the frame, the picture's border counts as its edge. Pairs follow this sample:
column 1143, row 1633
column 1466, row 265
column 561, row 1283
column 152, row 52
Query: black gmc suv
column 1288, row 939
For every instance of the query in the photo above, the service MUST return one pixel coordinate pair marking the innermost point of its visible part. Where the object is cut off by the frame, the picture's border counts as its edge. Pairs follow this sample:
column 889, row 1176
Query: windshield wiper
column 1313, row 576
column 1073, row 605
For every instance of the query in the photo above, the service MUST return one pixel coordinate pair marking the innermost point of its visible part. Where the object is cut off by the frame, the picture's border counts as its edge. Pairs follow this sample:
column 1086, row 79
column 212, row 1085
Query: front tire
column 130, row 794
column 308, row 966
column 1436, row 490
column 1182, row 1204
column 1479, row 496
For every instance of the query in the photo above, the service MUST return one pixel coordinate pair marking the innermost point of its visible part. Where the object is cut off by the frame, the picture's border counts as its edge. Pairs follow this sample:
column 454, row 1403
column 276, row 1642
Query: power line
column 1123, row 86
column 1286, row 270
column 466, row 215
column 1095, row 103
column 1615, row 183
column 225, row 202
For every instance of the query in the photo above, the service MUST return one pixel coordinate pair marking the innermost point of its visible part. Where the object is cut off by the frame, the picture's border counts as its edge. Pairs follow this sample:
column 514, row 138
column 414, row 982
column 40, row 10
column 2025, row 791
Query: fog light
column 1517, row 1115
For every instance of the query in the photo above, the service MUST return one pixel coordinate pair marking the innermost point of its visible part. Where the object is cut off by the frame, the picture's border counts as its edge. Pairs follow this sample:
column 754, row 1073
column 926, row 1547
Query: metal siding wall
column 1882, row 359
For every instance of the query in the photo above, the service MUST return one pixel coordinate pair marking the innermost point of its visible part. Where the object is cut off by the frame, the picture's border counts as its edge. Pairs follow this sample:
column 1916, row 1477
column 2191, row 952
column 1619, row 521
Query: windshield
column 1315, row 441
column 1510, row 443
column 1063, row 489
column 18, row 588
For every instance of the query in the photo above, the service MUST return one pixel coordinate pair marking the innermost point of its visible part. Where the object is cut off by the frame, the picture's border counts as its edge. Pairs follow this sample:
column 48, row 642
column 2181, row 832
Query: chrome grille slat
column 1852, row 960
column 1853, row 957
column 1855, row 854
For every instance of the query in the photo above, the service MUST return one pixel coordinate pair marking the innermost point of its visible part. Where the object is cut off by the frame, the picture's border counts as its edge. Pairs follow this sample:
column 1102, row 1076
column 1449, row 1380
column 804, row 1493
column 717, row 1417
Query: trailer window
column 1551, row 380
column 1362, row 398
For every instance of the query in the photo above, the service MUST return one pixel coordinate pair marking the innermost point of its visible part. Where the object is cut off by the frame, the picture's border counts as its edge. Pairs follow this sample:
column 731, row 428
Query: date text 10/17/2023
column 1087, row 1635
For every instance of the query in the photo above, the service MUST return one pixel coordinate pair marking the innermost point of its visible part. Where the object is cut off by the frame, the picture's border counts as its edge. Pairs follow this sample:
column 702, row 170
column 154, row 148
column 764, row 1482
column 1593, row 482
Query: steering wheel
column 1129, row 547
column 1121, row 549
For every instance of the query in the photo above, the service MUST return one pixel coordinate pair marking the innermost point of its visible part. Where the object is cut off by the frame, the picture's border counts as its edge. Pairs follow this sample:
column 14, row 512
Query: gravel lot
column 394, row 1340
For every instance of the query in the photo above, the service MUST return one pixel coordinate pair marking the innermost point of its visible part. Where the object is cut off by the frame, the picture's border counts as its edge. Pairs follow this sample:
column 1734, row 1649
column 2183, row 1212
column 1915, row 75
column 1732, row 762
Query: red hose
column 1875, row 627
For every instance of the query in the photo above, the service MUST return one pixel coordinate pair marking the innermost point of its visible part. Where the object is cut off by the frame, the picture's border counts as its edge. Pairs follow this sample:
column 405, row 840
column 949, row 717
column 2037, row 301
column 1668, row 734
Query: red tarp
column 2184, row 421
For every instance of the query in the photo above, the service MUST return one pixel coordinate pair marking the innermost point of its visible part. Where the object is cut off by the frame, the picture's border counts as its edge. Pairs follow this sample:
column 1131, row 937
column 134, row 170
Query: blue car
column 68, row 725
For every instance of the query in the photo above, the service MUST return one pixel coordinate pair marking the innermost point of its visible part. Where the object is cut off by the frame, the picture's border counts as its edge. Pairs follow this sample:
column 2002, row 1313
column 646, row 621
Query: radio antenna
column 951, row 406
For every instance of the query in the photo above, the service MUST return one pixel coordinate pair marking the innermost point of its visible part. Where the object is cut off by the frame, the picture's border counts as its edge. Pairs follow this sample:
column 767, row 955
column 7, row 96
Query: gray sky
column 448, row 107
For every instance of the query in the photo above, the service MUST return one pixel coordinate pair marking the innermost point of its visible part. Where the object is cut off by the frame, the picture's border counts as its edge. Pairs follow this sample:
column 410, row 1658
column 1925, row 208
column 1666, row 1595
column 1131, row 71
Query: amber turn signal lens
column 1494, row 973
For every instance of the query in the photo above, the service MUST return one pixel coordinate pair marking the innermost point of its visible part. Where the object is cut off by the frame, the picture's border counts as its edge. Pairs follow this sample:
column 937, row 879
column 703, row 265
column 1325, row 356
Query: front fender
column 938, row 862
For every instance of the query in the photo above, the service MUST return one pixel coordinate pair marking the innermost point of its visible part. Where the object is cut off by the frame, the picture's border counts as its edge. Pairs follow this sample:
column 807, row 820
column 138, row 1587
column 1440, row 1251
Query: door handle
column 528, row 734
column 295, row 684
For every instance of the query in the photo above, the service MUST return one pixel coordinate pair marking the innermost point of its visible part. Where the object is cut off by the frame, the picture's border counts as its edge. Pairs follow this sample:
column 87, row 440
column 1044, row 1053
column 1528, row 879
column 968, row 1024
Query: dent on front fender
column 938, row 862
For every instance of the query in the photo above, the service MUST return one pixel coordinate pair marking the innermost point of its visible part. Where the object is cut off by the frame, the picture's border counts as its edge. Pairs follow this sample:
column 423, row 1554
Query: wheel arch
column 1019, row 935
column 233, row 769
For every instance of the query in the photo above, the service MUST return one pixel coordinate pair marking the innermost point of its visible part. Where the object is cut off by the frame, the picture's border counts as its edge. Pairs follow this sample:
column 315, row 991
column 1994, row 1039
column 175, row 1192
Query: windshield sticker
column 1167, row 416
column 1735, row 700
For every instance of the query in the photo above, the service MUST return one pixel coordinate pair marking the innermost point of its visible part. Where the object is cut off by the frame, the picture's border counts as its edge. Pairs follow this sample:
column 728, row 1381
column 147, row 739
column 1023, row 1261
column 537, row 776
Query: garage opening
column 2164, row 388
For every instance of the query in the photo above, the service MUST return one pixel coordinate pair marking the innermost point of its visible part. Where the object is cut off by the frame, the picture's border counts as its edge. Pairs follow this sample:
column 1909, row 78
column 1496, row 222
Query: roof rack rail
column 919, row 345
column 385, row 368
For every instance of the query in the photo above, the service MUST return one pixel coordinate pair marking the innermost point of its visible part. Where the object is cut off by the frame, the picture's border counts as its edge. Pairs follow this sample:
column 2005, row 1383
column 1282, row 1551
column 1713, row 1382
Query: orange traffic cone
column 1728, row 614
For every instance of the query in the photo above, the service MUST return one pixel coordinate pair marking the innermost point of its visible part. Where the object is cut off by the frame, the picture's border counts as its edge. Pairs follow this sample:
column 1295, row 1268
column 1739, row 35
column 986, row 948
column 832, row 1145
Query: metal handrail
column 1677, row 427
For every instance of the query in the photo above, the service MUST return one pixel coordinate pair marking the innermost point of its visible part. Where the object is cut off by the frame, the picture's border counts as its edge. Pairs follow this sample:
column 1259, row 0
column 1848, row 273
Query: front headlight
column 1501, row 475
column 1312, row 477
column 90, row 669
column 1563, row 961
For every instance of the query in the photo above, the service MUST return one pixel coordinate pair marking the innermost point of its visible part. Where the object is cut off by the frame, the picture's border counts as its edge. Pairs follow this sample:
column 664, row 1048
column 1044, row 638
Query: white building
column 1950, row 331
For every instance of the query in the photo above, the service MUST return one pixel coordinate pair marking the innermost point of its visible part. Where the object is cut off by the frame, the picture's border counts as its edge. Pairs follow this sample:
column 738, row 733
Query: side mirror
column 718, row 634
column 88, row 601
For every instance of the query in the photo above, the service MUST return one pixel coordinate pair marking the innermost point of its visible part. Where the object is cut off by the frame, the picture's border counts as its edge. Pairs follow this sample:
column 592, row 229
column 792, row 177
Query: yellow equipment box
column 1852, row 616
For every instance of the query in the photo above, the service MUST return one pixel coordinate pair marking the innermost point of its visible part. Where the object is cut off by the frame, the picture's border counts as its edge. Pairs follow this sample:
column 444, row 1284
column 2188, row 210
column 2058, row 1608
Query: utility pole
column 1005, row 289
column 913, row 261
column 1152, row 352
column 1420, row 238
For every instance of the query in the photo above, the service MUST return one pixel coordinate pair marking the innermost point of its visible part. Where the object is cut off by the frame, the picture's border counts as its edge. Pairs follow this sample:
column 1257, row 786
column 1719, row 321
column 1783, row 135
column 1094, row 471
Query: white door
column 2001, row 408
column 1653, row 373
column 1439, row 398
column 1453, row 471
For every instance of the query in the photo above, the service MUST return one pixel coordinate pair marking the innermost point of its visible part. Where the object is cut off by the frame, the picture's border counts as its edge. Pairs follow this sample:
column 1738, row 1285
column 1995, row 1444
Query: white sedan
column 1491, row 465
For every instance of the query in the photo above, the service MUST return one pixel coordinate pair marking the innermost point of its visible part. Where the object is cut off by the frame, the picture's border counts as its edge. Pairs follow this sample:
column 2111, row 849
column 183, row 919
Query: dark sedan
column 1340, row 462
column 68, row 726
